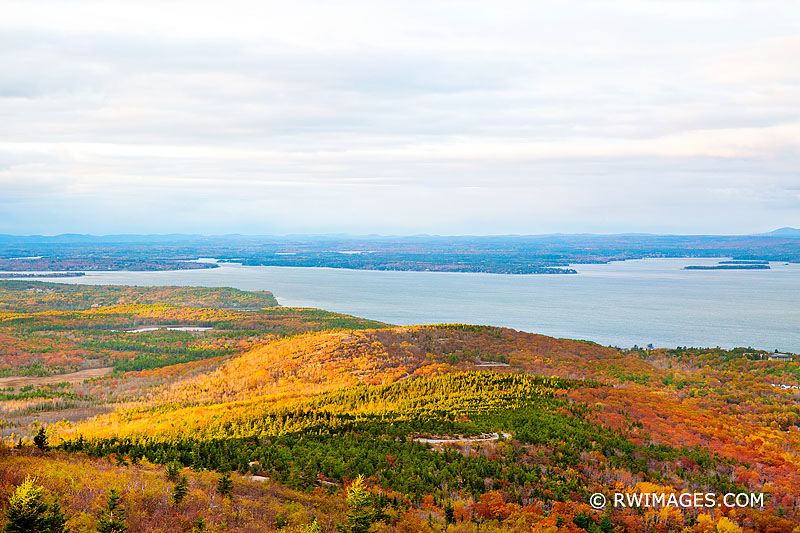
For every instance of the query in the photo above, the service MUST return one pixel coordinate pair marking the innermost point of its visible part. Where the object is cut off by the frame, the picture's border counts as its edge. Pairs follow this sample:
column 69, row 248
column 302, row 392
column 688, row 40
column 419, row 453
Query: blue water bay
column 620, row 303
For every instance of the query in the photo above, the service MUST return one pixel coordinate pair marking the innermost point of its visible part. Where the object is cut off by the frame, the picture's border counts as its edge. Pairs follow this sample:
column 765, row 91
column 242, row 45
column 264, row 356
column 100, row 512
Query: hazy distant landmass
column 744, row 262
column 72, row 258
column 784, row 232
column 733, row 264
column 20, row 275
column 502, row 254
column 728, row 267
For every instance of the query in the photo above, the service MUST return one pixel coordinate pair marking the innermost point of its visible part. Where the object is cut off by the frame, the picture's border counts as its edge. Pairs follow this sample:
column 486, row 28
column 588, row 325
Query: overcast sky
column 399, row 117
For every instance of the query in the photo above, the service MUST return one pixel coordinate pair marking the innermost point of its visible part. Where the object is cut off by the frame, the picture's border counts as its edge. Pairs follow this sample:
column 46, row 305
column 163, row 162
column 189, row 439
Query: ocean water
column 649, row 301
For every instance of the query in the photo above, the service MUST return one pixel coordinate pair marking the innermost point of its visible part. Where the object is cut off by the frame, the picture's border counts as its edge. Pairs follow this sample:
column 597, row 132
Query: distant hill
column 784, row 232
column 25, row 296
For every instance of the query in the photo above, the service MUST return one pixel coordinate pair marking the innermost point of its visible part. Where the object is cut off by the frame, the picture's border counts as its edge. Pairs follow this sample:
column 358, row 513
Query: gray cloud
column 397, row 118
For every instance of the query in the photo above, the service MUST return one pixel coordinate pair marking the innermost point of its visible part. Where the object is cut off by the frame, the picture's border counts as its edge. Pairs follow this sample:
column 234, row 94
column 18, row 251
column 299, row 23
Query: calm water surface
column 622, row 303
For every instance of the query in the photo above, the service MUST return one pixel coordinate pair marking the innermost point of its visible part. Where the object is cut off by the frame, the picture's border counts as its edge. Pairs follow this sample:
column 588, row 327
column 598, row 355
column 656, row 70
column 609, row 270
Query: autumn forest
column 215, row 409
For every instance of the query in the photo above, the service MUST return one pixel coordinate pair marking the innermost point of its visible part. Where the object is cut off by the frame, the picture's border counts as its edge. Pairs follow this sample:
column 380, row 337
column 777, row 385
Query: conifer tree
column 173, row 469
column 199, row 525
column 112, row 519
column 225, row 485
column 55, row 520
column 180, row 491
column 27, row 513
column 449, row 512
column 40, row 440
column 359, row 511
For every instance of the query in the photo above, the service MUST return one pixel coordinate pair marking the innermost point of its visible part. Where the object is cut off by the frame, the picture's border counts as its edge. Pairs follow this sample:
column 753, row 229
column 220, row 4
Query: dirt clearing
column 73, row 377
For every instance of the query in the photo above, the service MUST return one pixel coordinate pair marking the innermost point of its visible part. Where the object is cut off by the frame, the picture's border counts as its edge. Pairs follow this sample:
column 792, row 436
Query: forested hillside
column 32, row 296
column 301, row 420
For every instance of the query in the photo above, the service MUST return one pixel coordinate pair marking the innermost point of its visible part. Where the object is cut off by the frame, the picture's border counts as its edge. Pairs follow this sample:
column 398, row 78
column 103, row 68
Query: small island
column 730, row 266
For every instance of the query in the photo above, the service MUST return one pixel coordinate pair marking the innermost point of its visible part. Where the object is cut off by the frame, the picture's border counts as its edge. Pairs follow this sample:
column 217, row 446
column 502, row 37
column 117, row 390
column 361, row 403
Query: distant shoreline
column 499, row 254
column 737, row 266
column 19, row 275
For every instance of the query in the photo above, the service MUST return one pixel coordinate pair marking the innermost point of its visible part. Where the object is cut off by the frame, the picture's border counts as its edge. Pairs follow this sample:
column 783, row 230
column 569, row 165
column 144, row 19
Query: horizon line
column 783, row 231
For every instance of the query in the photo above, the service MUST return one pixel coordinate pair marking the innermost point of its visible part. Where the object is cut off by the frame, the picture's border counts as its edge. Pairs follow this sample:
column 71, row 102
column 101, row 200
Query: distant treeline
column 16, row 275
column 722, row 266
column 506, row 254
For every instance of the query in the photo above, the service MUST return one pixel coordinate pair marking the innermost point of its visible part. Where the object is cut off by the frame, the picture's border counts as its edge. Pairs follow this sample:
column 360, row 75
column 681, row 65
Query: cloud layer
column 398, row 117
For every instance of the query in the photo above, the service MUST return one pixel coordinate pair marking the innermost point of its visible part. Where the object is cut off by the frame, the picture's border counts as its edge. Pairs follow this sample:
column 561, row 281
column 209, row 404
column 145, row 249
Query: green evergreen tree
column 583, row 520
column 359, row 508
column 25, row 508
column 112, row 519
column 27, row 513
column 449, row 512
column 477, row 521
column 40, row 440
column 55, row 520
column 180, row 491
column 173, row 469
column 225, row 485
column 199, row 525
